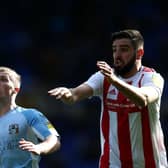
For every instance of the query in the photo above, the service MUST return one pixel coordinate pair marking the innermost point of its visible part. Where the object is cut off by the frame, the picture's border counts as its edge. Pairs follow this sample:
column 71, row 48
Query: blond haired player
column 25, row 133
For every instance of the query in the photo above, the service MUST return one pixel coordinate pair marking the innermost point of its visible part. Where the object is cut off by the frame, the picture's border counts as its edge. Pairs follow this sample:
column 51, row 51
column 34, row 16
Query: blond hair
column 14, row 76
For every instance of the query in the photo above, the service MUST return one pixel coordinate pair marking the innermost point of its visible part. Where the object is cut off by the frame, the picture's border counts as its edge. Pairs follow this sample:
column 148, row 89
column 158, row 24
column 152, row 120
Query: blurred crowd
column 57, row 43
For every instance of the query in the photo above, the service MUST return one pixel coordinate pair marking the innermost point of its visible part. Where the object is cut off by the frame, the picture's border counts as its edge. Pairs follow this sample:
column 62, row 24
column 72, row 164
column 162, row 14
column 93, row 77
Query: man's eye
column 124, row 49
column 3, row 79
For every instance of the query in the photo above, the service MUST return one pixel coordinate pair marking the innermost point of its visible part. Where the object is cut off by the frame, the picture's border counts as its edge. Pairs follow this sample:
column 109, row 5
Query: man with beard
column 131, row 134
column 25, row 133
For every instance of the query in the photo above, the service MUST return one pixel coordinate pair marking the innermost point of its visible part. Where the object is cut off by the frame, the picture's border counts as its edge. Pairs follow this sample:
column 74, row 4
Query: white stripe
column 113, row 139
column 101, row 133
column 136, row 140
column 158, row 139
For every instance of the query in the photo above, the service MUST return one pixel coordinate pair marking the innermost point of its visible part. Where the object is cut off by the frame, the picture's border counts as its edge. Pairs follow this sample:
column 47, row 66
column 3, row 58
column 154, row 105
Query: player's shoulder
column 25, row 109
column 98, row 75
column 151, row 73
column 31, row 115
column 148, row 69
column 29, row 112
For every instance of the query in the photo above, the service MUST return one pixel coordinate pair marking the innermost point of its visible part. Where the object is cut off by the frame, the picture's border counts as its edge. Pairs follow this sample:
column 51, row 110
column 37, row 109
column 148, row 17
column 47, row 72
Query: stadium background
column 57, row 43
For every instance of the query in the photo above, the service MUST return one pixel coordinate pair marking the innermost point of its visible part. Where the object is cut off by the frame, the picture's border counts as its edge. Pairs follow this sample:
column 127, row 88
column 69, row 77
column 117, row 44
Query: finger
column 63, row 92
column 21, row 143
column 68, row 94
column 21, row 140
column 26, row 146
column 105, row 65
column 101, row 62
column 105, row 69
column 53, row 90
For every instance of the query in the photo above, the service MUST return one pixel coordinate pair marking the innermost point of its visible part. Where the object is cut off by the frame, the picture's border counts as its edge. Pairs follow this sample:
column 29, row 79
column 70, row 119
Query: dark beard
column 127, row 68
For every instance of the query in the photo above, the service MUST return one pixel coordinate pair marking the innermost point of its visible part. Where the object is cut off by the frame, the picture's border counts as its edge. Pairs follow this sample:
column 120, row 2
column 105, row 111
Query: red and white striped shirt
column 131, row 137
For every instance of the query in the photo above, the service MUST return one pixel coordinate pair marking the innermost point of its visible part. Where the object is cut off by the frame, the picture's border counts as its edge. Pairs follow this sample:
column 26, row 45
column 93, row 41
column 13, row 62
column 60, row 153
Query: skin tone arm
column 140, row 96
column 70, row 96
column 50, row 145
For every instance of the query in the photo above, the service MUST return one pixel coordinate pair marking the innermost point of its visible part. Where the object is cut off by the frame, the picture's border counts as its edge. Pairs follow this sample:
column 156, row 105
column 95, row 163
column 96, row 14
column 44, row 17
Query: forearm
column 133, row 93
column 51, row 144
column 71, row 95
column 79, row 93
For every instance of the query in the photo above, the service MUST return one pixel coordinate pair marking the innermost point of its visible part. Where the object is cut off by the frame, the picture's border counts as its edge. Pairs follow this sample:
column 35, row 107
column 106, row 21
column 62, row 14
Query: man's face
column 6, row 85
column 124, row 56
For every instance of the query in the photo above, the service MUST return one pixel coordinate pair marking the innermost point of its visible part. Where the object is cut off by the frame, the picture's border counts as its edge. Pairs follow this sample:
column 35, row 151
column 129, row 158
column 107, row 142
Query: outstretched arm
column 72, row 95
column 51, row 144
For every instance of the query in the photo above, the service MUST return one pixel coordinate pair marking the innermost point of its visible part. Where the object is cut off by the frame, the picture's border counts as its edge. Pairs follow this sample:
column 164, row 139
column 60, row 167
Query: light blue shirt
column 26, row 123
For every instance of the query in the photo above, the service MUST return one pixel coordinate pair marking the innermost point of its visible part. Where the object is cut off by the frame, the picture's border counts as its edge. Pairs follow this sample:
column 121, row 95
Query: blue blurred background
column 57, row 43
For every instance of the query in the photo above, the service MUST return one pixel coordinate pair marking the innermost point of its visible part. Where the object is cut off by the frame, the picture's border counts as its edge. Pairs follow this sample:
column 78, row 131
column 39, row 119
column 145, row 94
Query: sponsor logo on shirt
column 112, row 93
column 6, row 145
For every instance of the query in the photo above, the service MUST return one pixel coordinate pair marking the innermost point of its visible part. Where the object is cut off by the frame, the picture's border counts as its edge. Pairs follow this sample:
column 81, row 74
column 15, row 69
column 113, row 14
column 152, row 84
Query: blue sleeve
column 40, row 125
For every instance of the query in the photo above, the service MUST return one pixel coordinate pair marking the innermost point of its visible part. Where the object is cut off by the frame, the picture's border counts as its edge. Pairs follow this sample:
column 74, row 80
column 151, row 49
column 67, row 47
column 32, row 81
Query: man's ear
column 140, row 53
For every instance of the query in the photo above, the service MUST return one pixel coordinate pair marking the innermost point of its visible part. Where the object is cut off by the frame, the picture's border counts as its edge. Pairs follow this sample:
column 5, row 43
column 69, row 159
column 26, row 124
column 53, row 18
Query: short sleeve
column 96, row 83
column 154, row 80
column 40, row 125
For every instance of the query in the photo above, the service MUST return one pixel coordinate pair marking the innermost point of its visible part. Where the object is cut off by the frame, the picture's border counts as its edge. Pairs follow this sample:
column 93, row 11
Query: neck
column 6, row 107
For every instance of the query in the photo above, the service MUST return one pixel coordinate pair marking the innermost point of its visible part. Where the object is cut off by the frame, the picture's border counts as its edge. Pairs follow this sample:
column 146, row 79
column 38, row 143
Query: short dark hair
column 132, row 34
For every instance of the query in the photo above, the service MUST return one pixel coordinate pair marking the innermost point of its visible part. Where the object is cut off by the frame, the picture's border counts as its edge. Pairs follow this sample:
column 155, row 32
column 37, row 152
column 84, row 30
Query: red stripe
column 104, row 160
column 147, row 141
column 124, row 138
column 139, row 83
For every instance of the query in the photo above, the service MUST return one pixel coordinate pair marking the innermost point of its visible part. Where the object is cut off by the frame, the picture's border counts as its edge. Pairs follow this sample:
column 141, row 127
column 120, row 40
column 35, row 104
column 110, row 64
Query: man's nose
column 117, row 54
